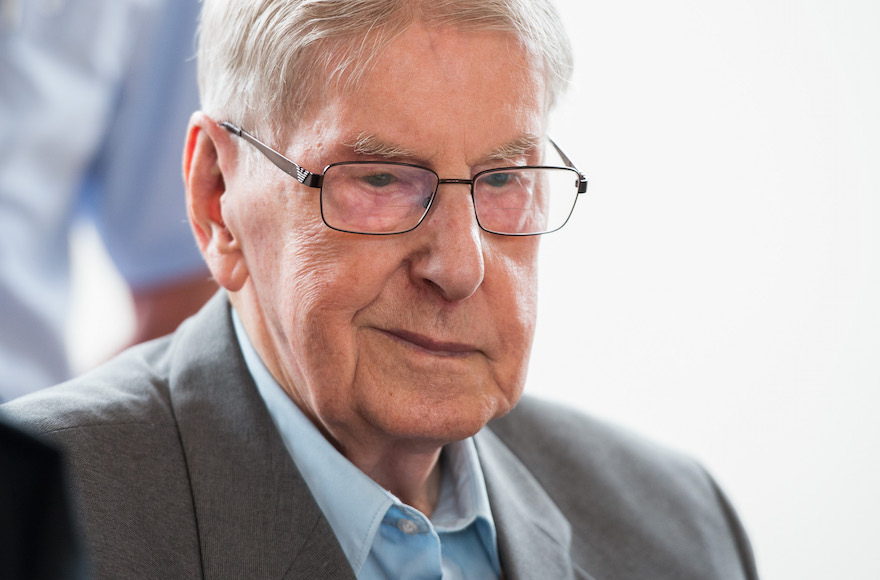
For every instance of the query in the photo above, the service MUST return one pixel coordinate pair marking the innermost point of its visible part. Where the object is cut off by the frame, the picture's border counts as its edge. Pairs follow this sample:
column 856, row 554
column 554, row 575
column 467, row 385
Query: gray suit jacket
column 180, row 473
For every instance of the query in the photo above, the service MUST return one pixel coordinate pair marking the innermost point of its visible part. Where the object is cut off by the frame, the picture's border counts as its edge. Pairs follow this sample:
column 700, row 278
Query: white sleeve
column 136, row 189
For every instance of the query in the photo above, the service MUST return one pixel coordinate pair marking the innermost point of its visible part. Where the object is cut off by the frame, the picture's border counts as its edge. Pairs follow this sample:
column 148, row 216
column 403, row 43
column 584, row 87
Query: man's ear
column 209, row 160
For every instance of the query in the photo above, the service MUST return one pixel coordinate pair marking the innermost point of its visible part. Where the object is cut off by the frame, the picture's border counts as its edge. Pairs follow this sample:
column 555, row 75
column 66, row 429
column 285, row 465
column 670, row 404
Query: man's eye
column 379, row 179
column 498, row 179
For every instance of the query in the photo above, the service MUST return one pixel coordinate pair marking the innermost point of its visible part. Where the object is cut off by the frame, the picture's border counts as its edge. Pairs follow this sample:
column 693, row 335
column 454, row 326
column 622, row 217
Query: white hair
column 262, row 62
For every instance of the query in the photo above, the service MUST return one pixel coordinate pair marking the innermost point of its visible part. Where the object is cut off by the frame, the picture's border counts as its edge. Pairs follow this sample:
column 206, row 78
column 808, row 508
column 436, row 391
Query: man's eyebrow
column 516, row 148
column 370, row 145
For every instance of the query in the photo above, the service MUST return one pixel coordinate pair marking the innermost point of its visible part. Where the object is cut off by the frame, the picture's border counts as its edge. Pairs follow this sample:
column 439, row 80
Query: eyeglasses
column 381, row 198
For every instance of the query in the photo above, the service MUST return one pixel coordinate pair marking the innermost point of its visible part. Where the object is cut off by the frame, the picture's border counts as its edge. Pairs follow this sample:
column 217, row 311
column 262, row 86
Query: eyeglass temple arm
column 582, row 180
column 302, row 175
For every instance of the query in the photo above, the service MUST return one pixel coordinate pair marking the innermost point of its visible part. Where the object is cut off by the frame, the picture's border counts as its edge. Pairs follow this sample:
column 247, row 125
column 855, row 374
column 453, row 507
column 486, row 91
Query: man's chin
column 442, row 421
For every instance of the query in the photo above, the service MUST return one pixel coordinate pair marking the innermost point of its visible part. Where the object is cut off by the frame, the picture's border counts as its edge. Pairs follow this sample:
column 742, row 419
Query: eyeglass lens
column 525, row 200
column 376, row 197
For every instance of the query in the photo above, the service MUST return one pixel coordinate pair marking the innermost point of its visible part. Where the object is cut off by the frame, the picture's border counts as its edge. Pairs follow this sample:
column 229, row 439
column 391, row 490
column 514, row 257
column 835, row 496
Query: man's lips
column 437, row 347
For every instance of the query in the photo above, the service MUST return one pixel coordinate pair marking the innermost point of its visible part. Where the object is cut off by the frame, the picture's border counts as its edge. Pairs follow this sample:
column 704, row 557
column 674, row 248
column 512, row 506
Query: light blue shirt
column 95, row 96
column 381, row 536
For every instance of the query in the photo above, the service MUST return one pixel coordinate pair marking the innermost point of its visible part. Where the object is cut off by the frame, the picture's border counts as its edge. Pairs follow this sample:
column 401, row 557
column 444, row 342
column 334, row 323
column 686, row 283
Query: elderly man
column 367, row 181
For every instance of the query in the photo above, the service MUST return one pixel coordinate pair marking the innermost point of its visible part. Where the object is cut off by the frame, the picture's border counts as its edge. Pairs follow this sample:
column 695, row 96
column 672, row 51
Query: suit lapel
column 255, row 514
column 534, row 537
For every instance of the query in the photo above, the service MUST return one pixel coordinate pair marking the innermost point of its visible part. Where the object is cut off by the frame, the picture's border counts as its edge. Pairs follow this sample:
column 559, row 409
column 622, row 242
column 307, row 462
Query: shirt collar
column 354, row 504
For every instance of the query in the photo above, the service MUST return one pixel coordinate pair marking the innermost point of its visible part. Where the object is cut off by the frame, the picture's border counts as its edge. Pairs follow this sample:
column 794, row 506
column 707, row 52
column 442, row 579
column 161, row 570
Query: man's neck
column 413, row 477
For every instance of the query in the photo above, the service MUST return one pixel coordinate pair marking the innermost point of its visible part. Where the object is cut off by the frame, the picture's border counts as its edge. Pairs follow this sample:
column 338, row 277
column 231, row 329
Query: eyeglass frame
column 314, row 180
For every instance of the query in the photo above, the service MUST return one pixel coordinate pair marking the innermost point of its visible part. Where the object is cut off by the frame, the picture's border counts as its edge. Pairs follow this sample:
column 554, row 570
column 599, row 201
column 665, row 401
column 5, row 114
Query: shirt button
column 406, row 526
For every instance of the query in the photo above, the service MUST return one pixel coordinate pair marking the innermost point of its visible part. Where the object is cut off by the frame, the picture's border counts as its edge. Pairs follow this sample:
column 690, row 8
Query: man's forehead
column 480, row 102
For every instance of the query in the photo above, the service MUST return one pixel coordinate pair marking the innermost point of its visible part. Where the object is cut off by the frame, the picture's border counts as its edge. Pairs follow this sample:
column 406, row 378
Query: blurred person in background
column 94, row 98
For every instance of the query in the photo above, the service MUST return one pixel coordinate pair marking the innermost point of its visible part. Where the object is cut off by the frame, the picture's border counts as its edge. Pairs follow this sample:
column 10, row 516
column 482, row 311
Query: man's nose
column 450, row 255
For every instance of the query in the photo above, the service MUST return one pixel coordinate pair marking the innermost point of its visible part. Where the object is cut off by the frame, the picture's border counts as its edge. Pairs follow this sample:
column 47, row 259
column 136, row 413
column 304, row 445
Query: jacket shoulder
column 628, row 499
column 131, row 389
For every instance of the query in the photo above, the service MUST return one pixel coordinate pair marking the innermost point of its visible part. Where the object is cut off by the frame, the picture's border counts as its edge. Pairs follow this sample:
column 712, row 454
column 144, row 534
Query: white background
column 717, row 289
